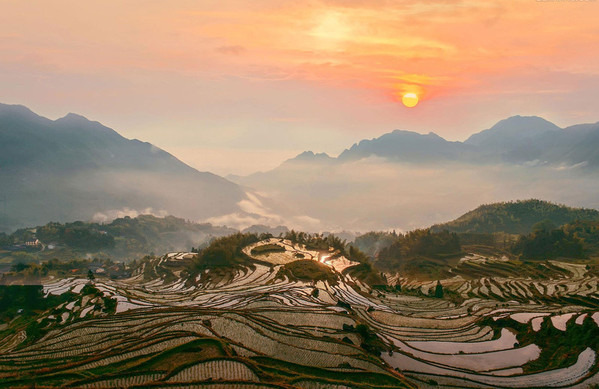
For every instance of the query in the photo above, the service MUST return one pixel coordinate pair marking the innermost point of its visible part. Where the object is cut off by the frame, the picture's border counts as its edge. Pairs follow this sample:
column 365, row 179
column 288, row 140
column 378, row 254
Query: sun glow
column 410, row 100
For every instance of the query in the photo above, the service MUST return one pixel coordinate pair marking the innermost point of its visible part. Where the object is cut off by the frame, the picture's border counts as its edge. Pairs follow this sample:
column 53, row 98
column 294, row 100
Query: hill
column 517, row 217
column 123, row 239
column 76, row 169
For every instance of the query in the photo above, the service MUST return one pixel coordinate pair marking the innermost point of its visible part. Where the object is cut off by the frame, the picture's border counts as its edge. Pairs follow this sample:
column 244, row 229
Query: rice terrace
column 308, row 311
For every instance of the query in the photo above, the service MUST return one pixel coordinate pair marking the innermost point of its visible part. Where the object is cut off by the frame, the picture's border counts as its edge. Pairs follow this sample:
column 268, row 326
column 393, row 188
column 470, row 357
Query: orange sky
column 219, row 82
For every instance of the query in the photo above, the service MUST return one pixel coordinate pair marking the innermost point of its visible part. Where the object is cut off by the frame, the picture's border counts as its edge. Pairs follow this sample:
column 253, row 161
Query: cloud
column 373, row 194
column 242, row 220
column 252, row 204
column 572, row 167
column 253, row 211
column 305, row 223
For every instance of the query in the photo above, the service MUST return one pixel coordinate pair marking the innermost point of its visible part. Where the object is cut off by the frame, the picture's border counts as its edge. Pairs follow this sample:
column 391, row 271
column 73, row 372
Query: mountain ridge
column 508, row 141
column 407, row 180
column 73, row 168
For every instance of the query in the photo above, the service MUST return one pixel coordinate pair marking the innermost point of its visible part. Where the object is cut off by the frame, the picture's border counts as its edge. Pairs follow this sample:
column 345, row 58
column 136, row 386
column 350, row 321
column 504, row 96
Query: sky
column 236, row 86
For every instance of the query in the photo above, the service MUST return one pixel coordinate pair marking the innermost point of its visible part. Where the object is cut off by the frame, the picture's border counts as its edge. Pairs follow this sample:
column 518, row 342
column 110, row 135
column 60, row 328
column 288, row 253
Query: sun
column 410, row 100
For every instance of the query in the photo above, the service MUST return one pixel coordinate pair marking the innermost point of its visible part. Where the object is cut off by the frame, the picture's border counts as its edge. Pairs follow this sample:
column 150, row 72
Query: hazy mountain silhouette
column 406, row 146
column 573, row 146
column 517, row 140
column 407, row 180
column 75, row 169
column 511, row 132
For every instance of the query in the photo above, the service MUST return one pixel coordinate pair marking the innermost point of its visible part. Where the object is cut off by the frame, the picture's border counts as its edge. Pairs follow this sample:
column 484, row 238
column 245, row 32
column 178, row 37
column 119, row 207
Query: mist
column 103, row 195
column 374, row 194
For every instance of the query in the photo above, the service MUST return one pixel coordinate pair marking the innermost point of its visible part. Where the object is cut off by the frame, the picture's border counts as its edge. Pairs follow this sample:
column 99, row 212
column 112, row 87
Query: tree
column 90, row 275
column 548, row 244
column 439, row 290
column 544, row 226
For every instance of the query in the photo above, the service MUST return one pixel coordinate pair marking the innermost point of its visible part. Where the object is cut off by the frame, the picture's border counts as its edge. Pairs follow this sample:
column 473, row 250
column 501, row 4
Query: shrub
column 309, row 270
column 267, row 248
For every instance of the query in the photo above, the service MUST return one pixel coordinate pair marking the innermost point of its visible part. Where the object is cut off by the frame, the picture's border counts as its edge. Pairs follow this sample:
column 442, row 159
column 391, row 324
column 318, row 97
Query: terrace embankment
column 265, row 323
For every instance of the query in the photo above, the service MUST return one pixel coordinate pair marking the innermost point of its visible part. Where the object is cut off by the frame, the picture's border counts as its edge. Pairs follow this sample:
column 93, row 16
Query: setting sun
column 409, row 100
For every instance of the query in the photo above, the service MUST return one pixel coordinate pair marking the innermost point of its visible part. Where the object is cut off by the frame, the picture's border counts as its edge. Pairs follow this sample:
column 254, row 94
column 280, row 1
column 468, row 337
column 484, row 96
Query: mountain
column 517, row 217
column 533, row 140
column 405, row 180
column 309, row 156
column 76, row 169
column 406, row 146
column 576, row 145
column 527, row 140
column 511, row 132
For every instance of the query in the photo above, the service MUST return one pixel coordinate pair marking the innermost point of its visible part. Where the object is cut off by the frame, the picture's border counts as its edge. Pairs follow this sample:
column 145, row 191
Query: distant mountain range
column 75, row 169
column 516, row 140
column 406, row 180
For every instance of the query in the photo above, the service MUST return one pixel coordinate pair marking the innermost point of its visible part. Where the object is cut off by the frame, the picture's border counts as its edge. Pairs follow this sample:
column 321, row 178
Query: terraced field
column 254, row 327
column 550, row 282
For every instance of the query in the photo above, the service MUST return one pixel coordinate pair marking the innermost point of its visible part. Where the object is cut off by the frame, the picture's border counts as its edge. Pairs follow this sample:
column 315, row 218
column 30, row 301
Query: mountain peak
column 73, row 118
column 21, row 112
column 310, row 155
column 402, row 145
column 524, row 121
column 15, row 108
column 406, row 135
column 512, row 131
column 100, row 172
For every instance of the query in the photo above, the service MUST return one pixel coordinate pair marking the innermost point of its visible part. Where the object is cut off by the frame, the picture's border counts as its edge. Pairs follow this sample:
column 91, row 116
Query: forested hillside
column 575, row 240
column 516, row 217
column 123, row 239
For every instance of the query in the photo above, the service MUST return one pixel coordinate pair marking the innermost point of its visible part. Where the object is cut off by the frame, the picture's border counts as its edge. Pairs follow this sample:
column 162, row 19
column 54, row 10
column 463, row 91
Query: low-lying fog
column 376, row 194
column 370, row 194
